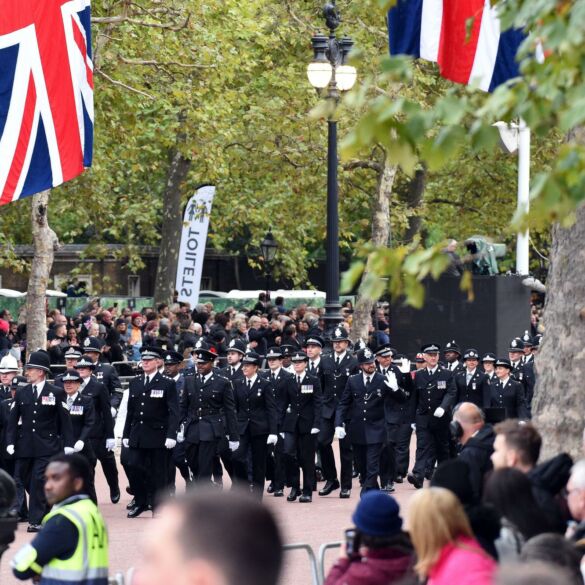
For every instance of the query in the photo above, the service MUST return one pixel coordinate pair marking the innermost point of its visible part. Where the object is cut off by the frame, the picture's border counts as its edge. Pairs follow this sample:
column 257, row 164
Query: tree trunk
column 166, row 272
column 380, row 237
column 413, row 199
column 560, row 363
column 44, row 243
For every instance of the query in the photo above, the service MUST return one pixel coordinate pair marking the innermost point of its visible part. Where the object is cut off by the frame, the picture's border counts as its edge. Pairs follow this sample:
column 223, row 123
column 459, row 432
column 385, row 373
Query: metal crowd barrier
column 312, row 559
column 322, row 550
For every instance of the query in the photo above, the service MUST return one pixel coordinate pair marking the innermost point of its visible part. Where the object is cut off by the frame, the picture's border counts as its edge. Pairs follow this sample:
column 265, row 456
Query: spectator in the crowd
column 509, row 491
column 536, row 573
column 518, row 445
column 135, row 339
column 477, row 442
column 279, row 305
column 5, row 343
column 381, row 553
column 576, row 502
column 557, row 551
column 454, row 475
column 289, row 335
column 240, row 329
column 257, row 334
column 208, row 541
column 455, row 267
column 447, row 552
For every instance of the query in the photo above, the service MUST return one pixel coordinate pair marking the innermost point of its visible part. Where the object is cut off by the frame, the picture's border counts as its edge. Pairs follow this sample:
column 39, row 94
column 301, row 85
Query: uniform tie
column 368, row 380
column 35, row 392
column 232, row 370
column 201, row 378
column 272, row 376
column 299, row 380
column 70, row 401
column 249, row 384
column 337, row 361
column 468, row 377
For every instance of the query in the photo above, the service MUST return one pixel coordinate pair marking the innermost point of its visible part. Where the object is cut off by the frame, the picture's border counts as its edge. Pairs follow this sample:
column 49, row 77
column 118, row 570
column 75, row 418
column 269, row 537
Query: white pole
column 522, row 243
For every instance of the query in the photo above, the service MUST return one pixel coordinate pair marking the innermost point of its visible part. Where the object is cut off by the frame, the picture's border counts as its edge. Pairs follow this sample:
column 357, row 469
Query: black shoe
column 398, row 479
column 354, row 473
column 415, row 480
column 319, row 474
column 137, row 510
column 389, row 488
column 306, row 499
column 329, row 487
column 344, row 494
column 270, row 488
column 129, row 491
column 278, row 493
column 293, row 495
column 131, row 504
column 34, row 528
column 115, row 495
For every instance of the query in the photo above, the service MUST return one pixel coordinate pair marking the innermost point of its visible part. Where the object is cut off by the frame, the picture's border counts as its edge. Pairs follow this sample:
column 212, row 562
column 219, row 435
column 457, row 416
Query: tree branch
column 125, row 86
column 155, row 63
column 362, row 164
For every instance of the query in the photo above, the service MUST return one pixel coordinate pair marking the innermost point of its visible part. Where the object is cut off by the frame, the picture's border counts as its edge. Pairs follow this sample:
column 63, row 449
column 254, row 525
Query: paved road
column 322, row 521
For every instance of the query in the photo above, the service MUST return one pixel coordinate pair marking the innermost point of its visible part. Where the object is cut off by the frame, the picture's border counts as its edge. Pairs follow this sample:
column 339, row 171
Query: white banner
column 193, row 240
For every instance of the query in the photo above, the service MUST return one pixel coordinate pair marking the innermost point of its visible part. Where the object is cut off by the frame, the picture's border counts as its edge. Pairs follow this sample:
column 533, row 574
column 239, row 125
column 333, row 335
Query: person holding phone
column 376, row 551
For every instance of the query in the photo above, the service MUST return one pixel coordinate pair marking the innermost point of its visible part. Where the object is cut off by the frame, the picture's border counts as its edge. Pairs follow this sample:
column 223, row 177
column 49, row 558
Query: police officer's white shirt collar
column 72, row 397
column 315, row 362
column 504, row 381
column 432, row 370
column 39, row 386
column 516, row 363
column 176, row 378
column 366, row 376
column 454, row 365
column 252, row 380
column 276, row 372
column 150, row 377
column 470, row 372
column 84, row 382
column 301, row 376
column 340, row 356
column 206, row 377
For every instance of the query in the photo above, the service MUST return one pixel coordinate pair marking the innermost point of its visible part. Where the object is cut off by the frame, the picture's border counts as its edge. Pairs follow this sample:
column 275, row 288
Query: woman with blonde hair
column 446, row 550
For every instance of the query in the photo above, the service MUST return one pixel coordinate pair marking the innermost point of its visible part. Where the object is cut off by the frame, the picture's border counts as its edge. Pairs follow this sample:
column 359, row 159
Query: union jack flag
column 46, row 94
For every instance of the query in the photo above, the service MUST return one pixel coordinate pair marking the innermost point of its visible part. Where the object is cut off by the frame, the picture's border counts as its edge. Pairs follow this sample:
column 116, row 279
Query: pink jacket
column 464, row 563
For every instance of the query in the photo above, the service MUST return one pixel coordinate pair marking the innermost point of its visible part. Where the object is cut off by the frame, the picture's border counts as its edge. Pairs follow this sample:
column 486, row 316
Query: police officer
column 101, row 437
column 44, row 430
column 235, row 352
column 150, row 430
column 207, row 414
column 488, row 364
column 362, row 404
column 278, row 468
column 257, row 417
column 520, row 372
column 72, row 355
column 83, row 421
column 452, row 357
column 336, row 371
column 508, row 393
column 287, row 353
column 8, row 370
column 528, row 342
column 399, row 416
column 435, row 395
column 302, row 407
column 472, row 385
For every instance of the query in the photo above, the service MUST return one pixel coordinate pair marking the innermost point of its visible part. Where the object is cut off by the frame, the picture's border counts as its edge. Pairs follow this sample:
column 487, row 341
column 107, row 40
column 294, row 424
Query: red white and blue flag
column 462, row 36
column 46, row 94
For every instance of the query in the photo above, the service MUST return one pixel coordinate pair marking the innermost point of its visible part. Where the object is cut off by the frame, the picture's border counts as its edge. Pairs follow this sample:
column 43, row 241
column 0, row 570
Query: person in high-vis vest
column 72, row 546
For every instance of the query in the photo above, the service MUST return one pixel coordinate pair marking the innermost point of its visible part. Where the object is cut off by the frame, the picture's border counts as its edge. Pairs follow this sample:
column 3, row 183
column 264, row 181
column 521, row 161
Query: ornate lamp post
column 268, row 247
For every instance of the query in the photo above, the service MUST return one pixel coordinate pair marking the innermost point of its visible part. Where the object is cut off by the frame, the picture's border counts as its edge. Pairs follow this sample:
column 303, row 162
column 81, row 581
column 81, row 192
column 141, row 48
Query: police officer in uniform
column 208, row 414
column 257, row 417
column 235, row 352
column 472, row 385
column 287, row 353
column 8, row 370
column 452, row 357
column 336, row 371
column 72, row 355
column 150, row 430
column 508, row 393
column 83, row 420
column 362, row 404
column 488, row 364
column 44, row 431
column 435, row 396
column 302, row 407
column 520, row 372
column 101, row 437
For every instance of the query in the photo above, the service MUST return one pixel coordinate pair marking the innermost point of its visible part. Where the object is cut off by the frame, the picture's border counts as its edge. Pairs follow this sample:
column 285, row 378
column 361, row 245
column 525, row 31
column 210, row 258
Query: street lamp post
column 330, row 74
column 268, row 247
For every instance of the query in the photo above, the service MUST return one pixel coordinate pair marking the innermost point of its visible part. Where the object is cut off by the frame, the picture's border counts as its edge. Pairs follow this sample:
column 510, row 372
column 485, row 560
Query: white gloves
column 404, row 366
column 272, row 440
column 281, row 435
column 10, row 449
column 110, row 444
column 314, row 431
column 69, row 450
column 126, row 443
column 439, row 412
column 233, row 445
column 391, row 381
column 113, row 411
column 340, row 433
column 78, row 446
column 180, row 437
column 170, row 443
column 413, row 426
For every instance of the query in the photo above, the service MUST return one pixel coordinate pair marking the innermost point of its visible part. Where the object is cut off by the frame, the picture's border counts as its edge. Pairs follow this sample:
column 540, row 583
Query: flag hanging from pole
column 463, row 37
column 46, row 94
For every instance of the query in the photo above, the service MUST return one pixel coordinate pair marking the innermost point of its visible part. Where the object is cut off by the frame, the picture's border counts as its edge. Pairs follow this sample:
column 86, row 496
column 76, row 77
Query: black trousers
column 396, row 452
column 432, row 444
column 223, row 455
column 150, row 477
column 178, row 460
column 200, row 458
column 30, row 472
column 256, row 445
column 283, row 466
column 368, row 461
column 91, row 459
column 326, row 435
column 108, row 461
column 303, row 447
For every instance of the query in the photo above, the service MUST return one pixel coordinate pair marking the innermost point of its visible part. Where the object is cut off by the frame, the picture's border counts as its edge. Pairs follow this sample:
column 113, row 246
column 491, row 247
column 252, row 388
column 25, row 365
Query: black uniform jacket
column 103, row 427
column 334, row 380
column 282, row 385
column 399, row 408
column 82, row 415
column 108, row 376
column 256, row 407
column 433, row 391
column 46, row 426
column 511, row 397
column 153, row 412
column 477, row 391
column 208, row 410
column 302, row 406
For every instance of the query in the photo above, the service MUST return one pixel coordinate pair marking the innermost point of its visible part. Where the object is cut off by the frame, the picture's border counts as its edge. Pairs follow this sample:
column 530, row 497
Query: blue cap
column 377, row 514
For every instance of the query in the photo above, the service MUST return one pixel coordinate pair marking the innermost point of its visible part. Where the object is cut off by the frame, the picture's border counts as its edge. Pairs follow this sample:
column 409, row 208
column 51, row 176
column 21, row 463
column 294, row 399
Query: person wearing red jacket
column 380, row 553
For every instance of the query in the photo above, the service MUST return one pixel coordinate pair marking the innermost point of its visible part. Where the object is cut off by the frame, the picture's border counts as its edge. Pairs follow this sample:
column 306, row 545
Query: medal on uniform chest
column 473, row 386
column 441, row 384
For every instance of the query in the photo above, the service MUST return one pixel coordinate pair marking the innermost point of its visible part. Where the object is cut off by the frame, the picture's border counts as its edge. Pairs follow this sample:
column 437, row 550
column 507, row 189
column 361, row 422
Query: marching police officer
column 520, row 372
column 302, row 407
column 235, row 353
column 207, row 414
column 362, row 404
column 83, row 421
column 44, row 431
column 8, row 370
column 487, row 363
column 508, row 393
column 257, row 417
column 101, row 437
column 336, row 371
column 72, row 355
column 150, row 430
column 472, row 385
column 435, row 395
column 452, row 357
